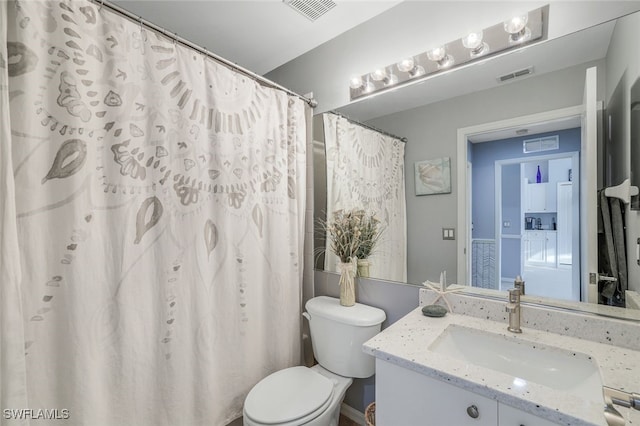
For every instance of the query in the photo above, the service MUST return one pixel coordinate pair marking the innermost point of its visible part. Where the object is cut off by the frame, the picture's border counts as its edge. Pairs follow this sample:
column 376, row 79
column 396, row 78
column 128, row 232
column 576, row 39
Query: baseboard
column 352, row 414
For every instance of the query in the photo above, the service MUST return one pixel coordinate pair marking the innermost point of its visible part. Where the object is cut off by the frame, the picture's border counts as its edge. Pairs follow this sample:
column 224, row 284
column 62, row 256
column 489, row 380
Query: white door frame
column 463, row 250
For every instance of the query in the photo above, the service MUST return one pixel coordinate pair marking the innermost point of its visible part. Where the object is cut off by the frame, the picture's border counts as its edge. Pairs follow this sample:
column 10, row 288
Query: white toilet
column 312, row 396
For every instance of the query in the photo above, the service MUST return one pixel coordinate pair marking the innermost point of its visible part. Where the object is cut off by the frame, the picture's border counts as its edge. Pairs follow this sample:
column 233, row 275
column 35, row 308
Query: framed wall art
column 433, row 176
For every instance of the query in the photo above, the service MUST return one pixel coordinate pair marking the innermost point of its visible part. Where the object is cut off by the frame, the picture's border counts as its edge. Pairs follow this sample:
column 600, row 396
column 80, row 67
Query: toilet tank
column 338, row 332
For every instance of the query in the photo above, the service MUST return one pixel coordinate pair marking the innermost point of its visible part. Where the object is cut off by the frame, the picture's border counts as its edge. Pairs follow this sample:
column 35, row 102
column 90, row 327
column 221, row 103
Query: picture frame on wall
column 433, row 176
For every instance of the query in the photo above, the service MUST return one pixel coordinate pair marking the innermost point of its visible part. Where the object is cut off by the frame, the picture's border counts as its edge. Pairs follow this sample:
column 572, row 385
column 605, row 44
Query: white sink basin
column 570, row 372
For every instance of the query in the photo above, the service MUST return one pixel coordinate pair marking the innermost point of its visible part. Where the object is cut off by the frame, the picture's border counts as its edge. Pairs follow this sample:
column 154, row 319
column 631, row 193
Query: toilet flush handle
column 307, row 316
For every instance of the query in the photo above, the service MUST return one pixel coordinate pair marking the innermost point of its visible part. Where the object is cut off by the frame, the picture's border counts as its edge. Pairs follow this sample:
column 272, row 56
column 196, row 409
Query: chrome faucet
column 513, row 307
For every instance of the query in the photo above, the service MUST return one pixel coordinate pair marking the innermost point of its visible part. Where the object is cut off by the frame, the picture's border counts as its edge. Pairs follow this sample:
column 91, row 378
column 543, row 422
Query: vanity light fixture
column 365, row 86
column 512, row 34
column 417, row 71
column 440, row 56
column 477, row 47
column 517, row 29
column 390, row 80
column 406, row 65
column 387, row 79
column 356, row 82
column 379, row 74
column 409, row 66
column 368, row 87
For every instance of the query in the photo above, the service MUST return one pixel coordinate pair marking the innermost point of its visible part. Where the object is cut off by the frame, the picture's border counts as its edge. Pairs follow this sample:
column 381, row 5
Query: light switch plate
column 448, row 234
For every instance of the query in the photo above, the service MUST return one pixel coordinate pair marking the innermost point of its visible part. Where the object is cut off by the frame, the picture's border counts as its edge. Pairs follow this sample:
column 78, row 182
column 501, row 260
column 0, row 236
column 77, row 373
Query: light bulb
column 516, row 24
column 473, row 41
column 517, row 29
column 439, row 56
column 379, row 74
column 355, row 82
column 436, row 54
column 406, row 65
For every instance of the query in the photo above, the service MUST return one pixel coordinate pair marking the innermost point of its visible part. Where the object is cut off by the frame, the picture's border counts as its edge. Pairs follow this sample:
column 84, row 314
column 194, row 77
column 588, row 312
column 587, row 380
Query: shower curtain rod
column 176, row 38
column 339, row 114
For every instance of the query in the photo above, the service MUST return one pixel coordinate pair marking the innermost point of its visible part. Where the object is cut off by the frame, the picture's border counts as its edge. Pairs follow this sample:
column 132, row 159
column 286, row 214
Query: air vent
column 515, row 74
column 311, row 9
column 548, row 143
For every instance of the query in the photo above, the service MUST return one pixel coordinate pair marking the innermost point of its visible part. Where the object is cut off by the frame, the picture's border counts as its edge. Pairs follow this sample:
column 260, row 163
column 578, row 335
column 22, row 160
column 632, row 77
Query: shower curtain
column 152, row 224
column 365, row 170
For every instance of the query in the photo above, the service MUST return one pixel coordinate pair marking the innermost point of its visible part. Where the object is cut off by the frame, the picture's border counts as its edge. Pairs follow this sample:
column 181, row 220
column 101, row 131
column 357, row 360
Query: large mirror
column 518, row 167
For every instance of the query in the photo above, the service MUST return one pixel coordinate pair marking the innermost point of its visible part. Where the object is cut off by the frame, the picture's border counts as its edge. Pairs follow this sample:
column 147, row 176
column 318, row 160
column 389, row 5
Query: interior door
column 588, row 191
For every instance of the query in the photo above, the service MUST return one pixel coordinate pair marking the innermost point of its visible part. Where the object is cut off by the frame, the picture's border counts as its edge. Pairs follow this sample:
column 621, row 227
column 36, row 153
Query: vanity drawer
column 408, row 398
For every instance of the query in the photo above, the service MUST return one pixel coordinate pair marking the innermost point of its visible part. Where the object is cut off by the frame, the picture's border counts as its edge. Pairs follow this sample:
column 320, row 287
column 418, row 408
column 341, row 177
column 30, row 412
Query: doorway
column 537, row 221
column 546, row 122
column 587, row 114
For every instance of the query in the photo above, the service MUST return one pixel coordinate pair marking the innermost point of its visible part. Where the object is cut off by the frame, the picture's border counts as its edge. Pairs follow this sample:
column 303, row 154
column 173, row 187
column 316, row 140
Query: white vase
column 348, row 283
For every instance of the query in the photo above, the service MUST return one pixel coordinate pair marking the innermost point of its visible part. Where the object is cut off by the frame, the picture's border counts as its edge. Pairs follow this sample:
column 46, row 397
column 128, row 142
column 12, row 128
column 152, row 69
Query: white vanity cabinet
column 509, row 416
column 540, row 248
column 408, row 398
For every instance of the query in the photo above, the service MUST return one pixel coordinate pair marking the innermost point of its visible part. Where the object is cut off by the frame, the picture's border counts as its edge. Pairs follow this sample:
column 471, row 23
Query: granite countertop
column 406, row 344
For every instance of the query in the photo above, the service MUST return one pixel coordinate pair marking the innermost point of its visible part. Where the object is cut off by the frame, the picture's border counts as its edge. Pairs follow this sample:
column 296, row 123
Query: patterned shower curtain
column 152, row 213
column 365, row 170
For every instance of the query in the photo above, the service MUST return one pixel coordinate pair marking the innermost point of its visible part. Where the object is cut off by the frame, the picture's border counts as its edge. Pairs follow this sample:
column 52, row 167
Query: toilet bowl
column 312, row 396
column 296, row 396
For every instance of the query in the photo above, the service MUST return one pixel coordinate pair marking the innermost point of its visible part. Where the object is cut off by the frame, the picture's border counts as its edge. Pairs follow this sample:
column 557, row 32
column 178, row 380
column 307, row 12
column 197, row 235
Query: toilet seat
column 291, row 397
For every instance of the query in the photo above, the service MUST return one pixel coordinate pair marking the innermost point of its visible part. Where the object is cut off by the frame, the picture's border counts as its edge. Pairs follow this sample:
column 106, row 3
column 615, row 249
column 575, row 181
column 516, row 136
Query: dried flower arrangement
column 353, row 234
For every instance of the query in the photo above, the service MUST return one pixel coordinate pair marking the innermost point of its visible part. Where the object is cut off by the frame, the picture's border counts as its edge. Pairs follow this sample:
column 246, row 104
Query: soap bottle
column 519, row 283
column 538, row 176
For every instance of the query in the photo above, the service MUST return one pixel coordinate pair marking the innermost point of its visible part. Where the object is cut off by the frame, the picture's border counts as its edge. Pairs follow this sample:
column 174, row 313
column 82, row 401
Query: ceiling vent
column 516, row 74
column 311, row 9
column 547, row 143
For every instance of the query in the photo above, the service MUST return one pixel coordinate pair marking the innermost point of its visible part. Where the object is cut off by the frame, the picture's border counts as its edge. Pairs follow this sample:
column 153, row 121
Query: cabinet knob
column 473, row 412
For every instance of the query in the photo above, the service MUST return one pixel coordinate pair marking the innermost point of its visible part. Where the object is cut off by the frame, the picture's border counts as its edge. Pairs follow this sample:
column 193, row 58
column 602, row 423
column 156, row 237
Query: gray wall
column 432, row 133
column 623, row 66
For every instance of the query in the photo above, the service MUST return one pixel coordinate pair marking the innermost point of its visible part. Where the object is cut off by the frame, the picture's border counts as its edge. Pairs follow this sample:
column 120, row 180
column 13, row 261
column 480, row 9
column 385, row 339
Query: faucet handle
column 514, row 295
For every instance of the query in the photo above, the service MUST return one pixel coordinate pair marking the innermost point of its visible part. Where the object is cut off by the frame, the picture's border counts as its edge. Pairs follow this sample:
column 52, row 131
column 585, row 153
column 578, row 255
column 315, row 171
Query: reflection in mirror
column 635, row 141
column 534, row 232
column 530, row 228
column 365, row 175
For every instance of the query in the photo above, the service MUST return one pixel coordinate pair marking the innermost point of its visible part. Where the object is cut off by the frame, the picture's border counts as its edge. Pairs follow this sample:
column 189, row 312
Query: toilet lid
column 288, row 395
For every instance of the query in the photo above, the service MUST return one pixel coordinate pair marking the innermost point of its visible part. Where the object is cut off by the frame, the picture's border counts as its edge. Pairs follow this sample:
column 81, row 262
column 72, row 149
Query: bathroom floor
column 344, row 421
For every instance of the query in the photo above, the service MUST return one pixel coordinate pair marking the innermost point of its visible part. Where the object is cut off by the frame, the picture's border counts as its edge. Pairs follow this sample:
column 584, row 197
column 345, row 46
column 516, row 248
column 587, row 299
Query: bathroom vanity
column 469, row 370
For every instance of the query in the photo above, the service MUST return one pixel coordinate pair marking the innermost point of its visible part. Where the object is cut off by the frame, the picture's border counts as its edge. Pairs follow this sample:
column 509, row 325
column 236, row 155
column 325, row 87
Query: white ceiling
column 531, row 130
column 259, row 35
